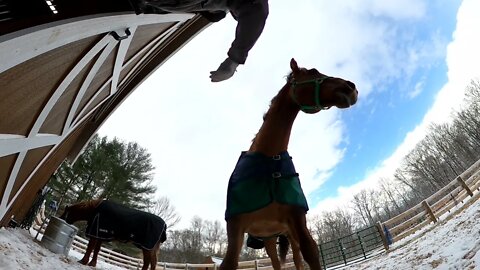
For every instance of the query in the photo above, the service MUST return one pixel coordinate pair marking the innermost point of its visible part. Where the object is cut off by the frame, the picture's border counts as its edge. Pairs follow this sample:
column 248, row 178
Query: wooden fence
column 127, row 262
column 352, row 247
column 433, row 207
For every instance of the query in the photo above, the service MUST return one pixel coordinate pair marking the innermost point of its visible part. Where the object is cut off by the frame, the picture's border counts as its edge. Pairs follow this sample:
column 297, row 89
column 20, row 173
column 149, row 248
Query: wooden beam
column 429, row 211
column 382, row 235
column 465, row 186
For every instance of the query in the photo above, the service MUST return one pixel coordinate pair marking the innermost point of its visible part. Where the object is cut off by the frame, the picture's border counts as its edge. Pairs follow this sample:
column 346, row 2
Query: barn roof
column 65, row 66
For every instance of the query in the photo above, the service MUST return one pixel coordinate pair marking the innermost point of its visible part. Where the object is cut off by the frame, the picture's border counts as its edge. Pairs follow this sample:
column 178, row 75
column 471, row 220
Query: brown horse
column 107, row 221
column 264, row 195
column 270, row 245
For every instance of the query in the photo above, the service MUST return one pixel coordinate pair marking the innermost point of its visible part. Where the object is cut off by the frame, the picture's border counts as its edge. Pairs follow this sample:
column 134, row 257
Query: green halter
column 317, row 106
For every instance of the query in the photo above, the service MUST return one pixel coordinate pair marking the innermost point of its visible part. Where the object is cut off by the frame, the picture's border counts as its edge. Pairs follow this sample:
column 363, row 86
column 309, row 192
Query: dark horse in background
column 264, row 196
column 107, row 221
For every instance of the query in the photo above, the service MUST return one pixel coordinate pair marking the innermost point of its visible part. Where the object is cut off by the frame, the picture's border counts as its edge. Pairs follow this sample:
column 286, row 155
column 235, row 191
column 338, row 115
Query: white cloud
column 419, row 86
column 463, row 61
column 397, row 10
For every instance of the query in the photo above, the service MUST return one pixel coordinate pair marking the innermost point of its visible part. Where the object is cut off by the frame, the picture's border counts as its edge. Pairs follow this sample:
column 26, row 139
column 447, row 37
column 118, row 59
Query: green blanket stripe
column 253, row 194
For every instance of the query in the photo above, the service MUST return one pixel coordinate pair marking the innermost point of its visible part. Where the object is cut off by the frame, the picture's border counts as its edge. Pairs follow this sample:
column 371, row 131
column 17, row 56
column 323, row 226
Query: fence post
column 164, row 266
column 256, row 264
column 361, row 245
column 323, row 257
column 343, row 252
column 429, row 211
column 465, row 186
column 382, row 235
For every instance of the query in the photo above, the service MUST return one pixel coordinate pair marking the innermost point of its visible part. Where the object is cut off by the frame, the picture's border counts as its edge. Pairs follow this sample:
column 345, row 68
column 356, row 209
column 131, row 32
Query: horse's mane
column 88, row 204
column 265, row 115
column 289, row 77
column 80, row 211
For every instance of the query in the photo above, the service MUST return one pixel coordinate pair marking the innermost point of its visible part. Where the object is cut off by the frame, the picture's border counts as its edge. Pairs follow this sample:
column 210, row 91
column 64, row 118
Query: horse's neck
column 274, row 134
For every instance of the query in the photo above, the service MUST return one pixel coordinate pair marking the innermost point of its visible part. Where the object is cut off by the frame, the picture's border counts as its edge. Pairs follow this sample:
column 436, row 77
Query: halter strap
column 317, row 106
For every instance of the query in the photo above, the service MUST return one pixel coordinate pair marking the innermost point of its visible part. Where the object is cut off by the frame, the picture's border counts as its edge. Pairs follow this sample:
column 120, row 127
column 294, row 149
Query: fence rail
column 124, row 261
column 435, row 206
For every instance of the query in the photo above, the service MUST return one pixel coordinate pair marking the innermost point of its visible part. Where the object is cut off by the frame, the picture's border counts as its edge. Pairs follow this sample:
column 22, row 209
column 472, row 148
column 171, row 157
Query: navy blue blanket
column 113, row 221
column 258, row 180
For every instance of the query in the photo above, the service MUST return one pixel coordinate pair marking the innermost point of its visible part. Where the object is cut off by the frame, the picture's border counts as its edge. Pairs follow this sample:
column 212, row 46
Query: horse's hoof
column 83, row 262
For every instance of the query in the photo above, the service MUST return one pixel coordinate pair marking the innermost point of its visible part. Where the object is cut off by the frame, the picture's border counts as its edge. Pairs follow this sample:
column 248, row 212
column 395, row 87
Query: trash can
column 58, row 236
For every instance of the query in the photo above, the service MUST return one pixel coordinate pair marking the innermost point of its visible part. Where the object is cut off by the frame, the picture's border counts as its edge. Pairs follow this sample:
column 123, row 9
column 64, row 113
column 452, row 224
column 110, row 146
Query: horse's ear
column 293, row 65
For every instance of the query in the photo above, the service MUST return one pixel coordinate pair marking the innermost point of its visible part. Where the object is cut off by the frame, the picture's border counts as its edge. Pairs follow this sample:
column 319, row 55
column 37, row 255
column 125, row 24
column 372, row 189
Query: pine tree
column 110, row 169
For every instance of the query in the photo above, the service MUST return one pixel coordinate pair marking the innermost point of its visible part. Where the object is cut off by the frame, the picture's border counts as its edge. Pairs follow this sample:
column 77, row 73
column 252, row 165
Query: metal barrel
column 58, row 236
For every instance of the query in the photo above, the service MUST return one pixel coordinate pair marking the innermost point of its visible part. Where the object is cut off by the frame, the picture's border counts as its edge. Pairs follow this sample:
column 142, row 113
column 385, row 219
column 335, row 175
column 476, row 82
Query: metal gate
column 353, row 247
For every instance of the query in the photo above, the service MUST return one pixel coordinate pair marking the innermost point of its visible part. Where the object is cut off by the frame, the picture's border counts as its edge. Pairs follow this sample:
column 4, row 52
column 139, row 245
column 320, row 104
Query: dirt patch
column 472, row 252
column 436, row 263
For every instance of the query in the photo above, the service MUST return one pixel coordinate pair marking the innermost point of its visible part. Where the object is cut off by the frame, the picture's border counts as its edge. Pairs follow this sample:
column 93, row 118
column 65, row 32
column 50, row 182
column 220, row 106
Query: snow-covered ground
column 451, row 244
column 19, row 251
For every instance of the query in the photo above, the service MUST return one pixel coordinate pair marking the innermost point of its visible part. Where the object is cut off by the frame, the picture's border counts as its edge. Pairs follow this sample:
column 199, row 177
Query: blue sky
column 409, row 67
column 395, row 109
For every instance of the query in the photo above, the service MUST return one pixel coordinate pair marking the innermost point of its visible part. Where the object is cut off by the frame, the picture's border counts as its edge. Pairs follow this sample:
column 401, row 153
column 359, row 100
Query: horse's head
column 80, row 211
column 314, row 91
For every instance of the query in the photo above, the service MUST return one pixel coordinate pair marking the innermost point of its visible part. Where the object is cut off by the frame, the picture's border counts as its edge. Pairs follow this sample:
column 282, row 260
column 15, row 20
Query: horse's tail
column 283, row 245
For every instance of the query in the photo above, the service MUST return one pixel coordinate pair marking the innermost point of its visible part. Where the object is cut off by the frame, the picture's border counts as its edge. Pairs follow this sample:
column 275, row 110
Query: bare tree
column 187, row 245
column 331, row 225
column 390, row 197
column 362, row 205
column 215, row 237
column 164, row 209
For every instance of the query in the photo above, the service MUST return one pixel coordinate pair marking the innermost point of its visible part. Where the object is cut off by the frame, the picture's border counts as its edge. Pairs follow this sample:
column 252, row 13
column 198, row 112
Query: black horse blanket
column 113, row 221
column 258, row 180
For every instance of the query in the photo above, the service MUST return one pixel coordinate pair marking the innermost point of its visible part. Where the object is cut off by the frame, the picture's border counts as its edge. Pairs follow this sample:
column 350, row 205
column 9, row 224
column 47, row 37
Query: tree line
column 447, row 150
column 201, row 239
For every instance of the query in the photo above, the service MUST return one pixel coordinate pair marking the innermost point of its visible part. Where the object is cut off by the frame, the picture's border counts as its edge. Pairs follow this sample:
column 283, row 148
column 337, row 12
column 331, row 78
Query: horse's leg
column 91, row 244
column 235, row 240
column 297, row 257
column 98, row 244
column 147, row 258
column 156, row 253
column 150, row 257
column 308, row 247
column 271, row 248
column 153, row 261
